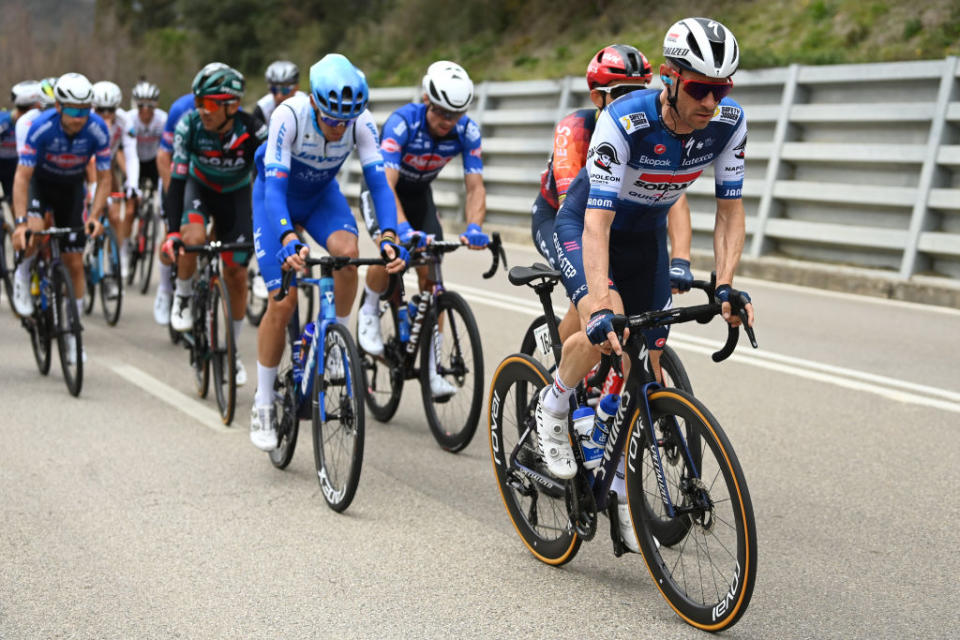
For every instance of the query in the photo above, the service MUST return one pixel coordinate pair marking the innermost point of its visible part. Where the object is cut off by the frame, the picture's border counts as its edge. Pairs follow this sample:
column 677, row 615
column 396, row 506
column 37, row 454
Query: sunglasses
column 282, row 89
column 76, row 112
column 106, row 109
column 146, row 105
column 698, row 90
column 443, row 114
column 333, row 123
column 620, row 90
column 210, row 104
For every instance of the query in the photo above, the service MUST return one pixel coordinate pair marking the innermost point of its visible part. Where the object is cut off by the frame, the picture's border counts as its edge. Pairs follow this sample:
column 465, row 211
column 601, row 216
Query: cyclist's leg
column 193, row 231
column 233, row 222
column 36, row 206
column 67, row 205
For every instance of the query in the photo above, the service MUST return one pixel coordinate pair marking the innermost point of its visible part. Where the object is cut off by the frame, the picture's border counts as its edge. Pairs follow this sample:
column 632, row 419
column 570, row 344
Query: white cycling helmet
column 447, row 85
column 144, row 90
column 106, row 95
column 26, row 94
column 73, row 88
column 47, row 98
column 282, row 72
column 702, row 45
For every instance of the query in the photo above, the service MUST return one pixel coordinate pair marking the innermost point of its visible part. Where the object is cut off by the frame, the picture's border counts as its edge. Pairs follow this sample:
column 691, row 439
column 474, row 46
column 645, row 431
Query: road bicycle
column 211, row 341
column 7, row 255
column 323, row 380
column 447, row 322
column 144, row 238
column 101, row 267
column 55, row 314
column 686, row 492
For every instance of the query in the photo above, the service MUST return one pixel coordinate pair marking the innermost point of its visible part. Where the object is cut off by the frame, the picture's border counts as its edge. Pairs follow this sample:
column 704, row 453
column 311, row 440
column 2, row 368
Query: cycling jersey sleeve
column 729, row 165
column 570, row 143
column 258, row 116
column 472, row 154
column 130, row 154
column 181, row 155
column 606, row 161
column 366, row 137
column 276, row 168
column 396, row 134
column 27, row 153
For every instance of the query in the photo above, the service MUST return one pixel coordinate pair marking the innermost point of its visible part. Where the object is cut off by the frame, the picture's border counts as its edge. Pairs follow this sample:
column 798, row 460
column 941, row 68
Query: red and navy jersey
column 408, row 147
column 62, row 157
column 571, row 139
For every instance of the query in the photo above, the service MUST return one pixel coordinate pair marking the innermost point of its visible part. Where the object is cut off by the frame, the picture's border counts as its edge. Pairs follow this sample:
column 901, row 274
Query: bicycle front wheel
column 67, row 319
column 288, row 419
column 451, row 338
column 538, row 513
column 223, row 350
column 200, row 349
column 111, row 286
column 383, row 374
column 338, row 418
column 41, row 327
column 146, row 246
column 6, row 258
column 708, row 576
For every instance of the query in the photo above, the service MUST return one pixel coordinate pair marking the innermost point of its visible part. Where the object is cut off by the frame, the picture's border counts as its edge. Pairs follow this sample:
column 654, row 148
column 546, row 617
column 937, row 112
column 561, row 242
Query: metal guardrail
column 849, row 164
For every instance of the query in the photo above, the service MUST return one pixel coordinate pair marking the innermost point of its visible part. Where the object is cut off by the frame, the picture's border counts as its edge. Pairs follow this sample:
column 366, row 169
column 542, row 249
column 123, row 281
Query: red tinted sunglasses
column 698, row 89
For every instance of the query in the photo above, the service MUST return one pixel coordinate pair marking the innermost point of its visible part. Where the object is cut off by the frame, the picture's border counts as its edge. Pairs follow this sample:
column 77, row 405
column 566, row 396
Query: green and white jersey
column 222, row 162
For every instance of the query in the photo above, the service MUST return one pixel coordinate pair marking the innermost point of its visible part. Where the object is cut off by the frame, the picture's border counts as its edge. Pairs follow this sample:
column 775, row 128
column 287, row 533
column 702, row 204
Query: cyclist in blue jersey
column 50, row 177
column 309, row 139
column 610, row 235
column 418, row 140
column 26, row 95
column 180, row 107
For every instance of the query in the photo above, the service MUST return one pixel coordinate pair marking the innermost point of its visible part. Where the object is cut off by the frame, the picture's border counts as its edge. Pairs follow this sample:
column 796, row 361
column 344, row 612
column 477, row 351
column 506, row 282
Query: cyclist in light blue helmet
column 310, row 138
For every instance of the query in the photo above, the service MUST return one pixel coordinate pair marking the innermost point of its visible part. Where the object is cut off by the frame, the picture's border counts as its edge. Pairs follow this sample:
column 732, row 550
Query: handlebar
column 435, row 248
column 212, row 247
column 59, row 232
column 329, row 264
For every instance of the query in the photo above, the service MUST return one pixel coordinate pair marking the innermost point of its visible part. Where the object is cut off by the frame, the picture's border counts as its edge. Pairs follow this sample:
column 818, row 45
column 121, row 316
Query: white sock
column 619, row 482
column 164, row 284
column 125, row 249
column 184, row 287
column 237, row 326
column 556, row 399
column 438, row 337
column 344, row 320
column 371, row 303
column 79, row 302
column 266, row 376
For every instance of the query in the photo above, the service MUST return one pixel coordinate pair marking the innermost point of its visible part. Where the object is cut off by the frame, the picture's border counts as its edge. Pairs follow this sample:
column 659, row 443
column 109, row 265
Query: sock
column 237, row 326
column 438, row 339
column 164, row 284
column 344, row 320
column 184, row 287
column 79, row 302
column 556, row 399
column 371, row 303
column 619, row 483
column 266, row 376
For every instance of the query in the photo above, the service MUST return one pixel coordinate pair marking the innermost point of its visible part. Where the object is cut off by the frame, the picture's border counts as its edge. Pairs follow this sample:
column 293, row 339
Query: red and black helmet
column 617, row 62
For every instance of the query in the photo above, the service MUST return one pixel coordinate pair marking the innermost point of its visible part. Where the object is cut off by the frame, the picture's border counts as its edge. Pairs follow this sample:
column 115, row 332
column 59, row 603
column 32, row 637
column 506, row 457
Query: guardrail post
column 928, row 173
column 773, row 165
column 564, row 101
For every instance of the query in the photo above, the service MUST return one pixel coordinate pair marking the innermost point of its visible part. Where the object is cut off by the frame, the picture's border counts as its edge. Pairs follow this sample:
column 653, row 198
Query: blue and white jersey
column 8, row 136
column 23, row 125
column 638, row 168
column 408, row 147
column 297, row 160
column 59, row 156
column 183, row 104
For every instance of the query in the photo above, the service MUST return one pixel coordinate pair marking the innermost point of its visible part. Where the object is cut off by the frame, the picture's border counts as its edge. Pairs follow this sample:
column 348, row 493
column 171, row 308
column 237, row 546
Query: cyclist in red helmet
column 614, row 71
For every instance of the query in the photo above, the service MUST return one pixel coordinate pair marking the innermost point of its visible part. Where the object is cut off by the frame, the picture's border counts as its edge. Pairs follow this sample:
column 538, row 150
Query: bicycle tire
column 256, row 307
column 41, row 328
column 90, row 287
column 338, row 420
column 288, row 420
column 530, row 346
column 223, row 350
column 383, row 374
column 453, row 421
column 109, row 257
column 174, row 335
column 200, row 350
column 721, row 517
column 145, row 253
column 541, row 519
column 6, row 259
column 67, row 319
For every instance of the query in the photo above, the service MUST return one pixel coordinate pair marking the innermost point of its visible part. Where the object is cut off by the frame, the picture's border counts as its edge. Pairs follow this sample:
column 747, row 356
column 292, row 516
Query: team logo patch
column 633, row 122
column 740, row 149
column 661, row 342
column 605, row 157
column 659, row 149
column 390, row 145
column 727, row 114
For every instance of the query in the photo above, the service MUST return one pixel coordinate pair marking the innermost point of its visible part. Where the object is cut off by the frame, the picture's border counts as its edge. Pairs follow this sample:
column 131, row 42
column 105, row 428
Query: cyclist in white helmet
column 417, row 141
column 25, row 96
column 123, row 153
column 283, row 80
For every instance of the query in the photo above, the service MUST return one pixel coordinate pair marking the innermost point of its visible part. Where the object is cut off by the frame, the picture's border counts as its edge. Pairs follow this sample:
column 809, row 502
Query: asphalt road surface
column 132, row 513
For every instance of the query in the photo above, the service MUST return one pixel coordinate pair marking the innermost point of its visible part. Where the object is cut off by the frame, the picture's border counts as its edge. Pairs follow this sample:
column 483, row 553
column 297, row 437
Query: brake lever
column 284, row 285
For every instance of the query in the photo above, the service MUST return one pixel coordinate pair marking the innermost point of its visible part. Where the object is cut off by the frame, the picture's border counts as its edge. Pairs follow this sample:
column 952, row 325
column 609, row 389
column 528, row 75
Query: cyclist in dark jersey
column 613, row 72
column 213, row 156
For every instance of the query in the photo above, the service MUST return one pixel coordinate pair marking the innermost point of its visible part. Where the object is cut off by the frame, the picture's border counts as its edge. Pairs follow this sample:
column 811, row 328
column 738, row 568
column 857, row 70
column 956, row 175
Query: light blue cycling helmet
column 339, row 88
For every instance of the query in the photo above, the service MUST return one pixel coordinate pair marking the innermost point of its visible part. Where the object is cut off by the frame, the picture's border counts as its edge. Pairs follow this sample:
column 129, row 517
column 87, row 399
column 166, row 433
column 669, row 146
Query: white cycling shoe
column 71, row 354
column 627, row 535
column 368, row 332
column 241, row 372
column 161, row 307
column 263, row 428
column 440, row 388
column 182, row 317
column 22, row 300
column 554, row 440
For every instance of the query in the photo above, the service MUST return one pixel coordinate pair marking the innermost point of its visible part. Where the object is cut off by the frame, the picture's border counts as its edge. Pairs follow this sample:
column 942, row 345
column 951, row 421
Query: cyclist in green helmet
column 213, row 149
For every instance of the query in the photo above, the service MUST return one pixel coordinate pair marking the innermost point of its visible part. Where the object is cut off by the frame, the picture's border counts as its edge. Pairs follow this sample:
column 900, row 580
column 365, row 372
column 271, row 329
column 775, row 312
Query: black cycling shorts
column 64, row 199
column 417, row 202
column 232, row 215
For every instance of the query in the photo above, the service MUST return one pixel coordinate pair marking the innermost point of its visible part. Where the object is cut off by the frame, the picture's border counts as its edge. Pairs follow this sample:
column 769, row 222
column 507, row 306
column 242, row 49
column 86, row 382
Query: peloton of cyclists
column 647, row 148
column 310, row 138
column 418, row 140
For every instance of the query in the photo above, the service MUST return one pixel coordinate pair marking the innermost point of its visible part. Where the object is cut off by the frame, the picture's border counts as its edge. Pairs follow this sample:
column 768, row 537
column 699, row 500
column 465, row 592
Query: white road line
column 176, row 399
column 891, row 388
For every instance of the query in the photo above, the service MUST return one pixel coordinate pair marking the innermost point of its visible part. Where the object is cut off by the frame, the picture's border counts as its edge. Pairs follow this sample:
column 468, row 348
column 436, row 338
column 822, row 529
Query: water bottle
column 403, row 320
column 583, row 424
column 601, row 429
column 305, row 340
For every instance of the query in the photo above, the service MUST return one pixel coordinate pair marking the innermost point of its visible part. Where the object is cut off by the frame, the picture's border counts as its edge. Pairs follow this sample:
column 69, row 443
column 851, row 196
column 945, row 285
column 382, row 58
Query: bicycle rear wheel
column 288, row 420
column 223, row 350
column 146, row 245
column 111, row 286
column 459, row 360
column 708, row 576
column 538, row 514
column 338, row 419
column 68, row 329
column 383, row 374
column 7, row 258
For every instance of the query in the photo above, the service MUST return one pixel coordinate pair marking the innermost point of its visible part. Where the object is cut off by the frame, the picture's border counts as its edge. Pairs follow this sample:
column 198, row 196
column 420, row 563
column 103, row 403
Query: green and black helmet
column 220, row 81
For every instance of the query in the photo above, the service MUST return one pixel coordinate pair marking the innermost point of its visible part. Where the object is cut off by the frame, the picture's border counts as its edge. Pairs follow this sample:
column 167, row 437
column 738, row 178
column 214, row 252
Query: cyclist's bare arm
column 728, row 238
column 679, row 228
column 476, row 206
column 392, row 176
column 163, row 167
